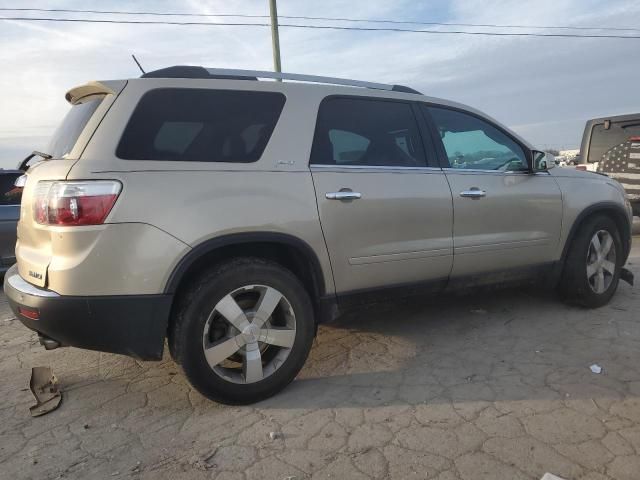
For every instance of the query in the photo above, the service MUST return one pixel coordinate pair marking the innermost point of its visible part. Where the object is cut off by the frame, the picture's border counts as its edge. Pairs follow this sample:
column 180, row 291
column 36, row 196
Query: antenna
column 138, row 63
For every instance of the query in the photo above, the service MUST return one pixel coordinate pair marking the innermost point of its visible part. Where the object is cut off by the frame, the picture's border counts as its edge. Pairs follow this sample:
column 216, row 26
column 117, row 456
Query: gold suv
column 231, row 215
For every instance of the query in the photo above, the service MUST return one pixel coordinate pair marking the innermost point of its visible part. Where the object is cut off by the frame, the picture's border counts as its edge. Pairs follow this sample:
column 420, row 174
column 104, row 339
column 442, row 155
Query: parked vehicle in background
column 10, row 197
column 231, row 215
column 611, row 145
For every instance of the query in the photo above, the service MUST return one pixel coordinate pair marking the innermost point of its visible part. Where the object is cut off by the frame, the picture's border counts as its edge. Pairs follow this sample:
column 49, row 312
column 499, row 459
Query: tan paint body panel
column 33, row 247
column 579, row 191
column 516, row 224
column 398, row 232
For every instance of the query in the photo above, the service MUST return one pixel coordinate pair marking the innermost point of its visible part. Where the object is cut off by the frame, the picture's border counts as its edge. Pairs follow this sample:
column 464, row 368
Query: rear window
column 66, row 135
column 603, row 140
column 197, row 125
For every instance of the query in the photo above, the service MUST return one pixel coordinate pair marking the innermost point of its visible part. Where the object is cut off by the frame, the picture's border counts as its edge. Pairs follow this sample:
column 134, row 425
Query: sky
column 543, row 88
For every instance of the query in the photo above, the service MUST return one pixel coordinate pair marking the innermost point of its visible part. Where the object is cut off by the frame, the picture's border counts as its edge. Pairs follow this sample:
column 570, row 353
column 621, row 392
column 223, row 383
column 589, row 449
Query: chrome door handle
column 344, row 195
column 473, row 193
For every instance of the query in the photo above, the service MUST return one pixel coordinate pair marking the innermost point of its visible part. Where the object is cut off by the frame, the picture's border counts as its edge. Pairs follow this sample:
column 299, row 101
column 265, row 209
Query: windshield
column 66, row 135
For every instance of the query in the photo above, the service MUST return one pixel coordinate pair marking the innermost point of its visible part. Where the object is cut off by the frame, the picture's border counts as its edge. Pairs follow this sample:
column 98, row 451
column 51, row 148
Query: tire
column 578, row 284
column 200, row 326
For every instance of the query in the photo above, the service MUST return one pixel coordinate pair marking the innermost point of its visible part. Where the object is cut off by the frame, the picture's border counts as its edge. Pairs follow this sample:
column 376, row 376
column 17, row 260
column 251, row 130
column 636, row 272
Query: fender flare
column 592, row 209
column 213, row 244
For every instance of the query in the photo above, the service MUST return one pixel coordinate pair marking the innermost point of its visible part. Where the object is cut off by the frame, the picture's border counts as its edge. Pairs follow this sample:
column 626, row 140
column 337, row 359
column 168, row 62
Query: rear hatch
column 89, row 104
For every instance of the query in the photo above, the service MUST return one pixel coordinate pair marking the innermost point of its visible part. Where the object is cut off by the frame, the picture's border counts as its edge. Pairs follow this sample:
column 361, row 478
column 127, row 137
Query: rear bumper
column 133, row 325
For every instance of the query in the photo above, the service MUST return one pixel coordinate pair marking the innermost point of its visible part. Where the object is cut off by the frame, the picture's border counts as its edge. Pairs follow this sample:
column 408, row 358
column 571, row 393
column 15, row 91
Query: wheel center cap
column 250, row 333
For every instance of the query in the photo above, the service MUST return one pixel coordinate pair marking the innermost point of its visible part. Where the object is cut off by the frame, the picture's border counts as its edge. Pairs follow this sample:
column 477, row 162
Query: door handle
column 343, row 195
column 473, row 192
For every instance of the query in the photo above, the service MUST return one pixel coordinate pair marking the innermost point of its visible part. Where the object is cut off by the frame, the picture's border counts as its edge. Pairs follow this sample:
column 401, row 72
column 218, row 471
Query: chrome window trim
column 491, row 172
column 380, row 168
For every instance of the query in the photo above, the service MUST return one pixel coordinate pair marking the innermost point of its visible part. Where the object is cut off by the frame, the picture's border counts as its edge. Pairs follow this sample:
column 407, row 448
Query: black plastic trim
column 245, row 238
column 404, row 89
column 590, row 210
column 190, row 71
column 133, row 325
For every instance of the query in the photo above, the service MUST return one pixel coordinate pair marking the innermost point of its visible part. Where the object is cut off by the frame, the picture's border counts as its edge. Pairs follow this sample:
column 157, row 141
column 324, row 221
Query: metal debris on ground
column 595, row 368
column 550, row 476
column 45, row 389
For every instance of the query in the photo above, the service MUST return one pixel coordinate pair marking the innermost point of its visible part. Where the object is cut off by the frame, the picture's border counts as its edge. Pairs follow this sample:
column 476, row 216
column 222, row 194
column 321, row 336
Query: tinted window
column 9, row 193
column 367, row 132
column 194, row 125
column 603, row 140
column 66, row 135
column 472, row 143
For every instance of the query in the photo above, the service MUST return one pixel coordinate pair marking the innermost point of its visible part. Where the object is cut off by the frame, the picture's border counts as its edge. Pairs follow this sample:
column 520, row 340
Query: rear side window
column 603, row 140
column 367, row 132
column 197, row 125
column 67, row 134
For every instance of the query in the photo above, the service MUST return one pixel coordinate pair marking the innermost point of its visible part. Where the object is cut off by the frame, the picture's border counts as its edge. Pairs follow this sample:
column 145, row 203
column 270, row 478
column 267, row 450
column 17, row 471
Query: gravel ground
column 492, row 387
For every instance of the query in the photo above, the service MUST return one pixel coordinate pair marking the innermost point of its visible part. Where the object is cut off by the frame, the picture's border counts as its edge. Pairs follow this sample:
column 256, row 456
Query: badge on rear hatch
column 35, row 275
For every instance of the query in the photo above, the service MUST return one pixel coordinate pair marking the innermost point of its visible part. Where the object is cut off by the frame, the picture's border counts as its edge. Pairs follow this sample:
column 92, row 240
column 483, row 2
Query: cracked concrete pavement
column 481, row 387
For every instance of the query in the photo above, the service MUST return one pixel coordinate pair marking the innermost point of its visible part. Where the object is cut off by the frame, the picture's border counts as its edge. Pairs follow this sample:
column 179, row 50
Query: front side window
column 198, row 125
column 474, row 144
column 367, row 132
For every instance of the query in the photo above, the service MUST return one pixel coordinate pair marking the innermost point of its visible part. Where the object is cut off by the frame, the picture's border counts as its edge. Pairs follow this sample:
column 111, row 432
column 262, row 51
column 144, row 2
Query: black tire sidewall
column 206, row 293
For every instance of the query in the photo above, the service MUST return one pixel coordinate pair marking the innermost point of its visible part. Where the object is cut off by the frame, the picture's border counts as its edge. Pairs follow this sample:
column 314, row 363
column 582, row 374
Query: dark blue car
column 10, row 197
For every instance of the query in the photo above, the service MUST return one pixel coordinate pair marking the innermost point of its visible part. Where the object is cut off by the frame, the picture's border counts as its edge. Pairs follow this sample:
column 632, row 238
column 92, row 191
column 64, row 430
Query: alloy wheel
column 601, row 261
column 249, row 334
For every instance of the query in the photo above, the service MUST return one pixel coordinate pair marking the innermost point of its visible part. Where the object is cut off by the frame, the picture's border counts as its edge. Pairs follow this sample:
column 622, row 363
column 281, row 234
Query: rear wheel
column 592, row 268
column 243, row 331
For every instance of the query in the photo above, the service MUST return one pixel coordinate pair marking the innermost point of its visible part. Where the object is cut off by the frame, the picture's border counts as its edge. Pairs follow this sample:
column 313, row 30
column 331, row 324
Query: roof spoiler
column 77, row 94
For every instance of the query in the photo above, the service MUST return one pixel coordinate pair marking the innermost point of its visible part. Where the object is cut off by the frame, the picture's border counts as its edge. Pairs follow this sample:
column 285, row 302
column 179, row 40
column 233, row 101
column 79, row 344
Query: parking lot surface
column 483, row 387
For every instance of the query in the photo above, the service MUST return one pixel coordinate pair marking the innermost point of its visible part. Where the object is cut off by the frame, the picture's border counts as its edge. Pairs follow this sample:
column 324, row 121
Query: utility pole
column 275, row 37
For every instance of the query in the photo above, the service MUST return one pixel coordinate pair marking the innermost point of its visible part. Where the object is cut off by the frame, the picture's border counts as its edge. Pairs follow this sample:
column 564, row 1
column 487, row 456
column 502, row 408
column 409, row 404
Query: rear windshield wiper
column 35, row 153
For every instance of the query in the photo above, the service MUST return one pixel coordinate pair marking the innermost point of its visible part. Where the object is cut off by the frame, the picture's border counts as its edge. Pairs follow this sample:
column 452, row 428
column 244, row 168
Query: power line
column 323, row 27
column 302, row 17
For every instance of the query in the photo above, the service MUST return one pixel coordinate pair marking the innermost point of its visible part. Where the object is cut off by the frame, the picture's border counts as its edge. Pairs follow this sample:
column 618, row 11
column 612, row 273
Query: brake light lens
column 75, row 203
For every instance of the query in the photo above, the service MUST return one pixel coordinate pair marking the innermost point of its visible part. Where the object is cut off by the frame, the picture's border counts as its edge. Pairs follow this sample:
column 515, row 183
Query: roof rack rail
column 188, row 71
column 298, row 77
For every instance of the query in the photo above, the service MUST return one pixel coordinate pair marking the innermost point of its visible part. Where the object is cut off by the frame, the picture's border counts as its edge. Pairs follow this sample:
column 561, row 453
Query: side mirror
column 543, row 161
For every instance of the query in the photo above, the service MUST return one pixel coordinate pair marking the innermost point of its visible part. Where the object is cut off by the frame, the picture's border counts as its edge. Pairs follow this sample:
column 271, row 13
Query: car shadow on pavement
column 504, row 346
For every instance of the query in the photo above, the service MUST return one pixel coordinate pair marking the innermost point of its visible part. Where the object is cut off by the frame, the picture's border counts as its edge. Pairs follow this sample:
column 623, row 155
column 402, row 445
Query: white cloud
column 545, row 88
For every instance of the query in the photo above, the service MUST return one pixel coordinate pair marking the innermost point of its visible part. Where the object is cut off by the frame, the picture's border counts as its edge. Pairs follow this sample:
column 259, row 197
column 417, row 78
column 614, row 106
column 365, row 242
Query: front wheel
column 243, row 331
column 592, row 269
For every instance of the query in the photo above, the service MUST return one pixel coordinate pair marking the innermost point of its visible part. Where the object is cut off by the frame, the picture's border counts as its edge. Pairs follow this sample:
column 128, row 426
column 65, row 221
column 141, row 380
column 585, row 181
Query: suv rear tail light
column 75, row 203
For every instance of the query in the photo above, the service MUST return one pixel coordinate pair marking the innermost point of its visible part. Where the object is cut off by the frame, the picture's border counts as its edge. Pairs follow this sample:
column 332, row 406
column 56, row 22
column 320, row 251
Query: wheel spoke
column 281, row 337
column 595, row 241
column 608, row 266
column 267, row 304
column 606, row 246
column 222, row 350
column 231, row 311
column 252, row 365
column 600, row 281
column 592, row 269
